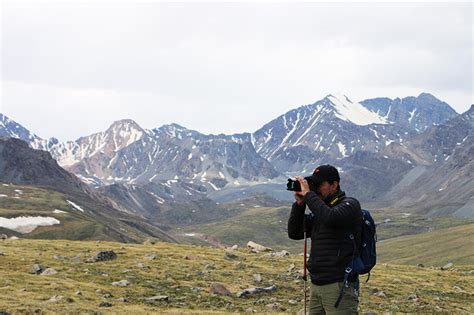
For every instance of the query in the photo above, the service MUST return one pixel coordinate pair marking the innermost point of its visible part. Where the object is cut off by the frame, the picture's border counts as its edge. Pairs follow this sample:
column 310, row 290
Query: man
column 333, row 217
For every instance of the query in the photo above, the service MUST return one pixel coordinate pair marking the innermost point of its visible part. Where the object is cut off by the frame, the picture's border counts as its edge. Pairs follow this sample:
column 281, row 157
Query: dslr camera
column 294, row 185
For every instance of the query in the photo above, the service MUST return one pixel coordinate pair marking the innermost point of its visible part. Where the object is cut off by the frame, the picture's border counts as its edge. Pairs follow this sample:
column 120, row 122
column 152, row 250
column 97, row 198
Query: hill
column 184, row 273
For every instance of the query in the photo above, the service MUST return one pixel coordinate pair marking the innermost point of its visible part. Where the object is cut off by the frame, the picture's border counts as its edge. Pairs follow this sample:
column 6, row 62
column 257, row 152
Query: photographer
column 333, row 217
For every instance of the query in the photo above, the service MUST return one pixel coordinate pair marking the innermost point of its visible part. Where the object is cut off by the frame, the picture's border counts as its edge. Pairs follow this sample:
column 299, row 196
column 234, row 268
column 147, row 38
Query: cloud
column 207, row 66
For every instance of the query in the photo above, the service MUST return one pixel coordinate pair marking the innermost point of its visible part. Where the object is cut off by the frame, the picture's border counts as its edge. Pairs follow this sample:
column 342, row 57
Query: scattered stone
column 102, row 256
column 98, row 291
column 380, row 294
column 3, row 236
column 252, row 291
column 292, row 302
column 56, row 298
column 189, row 257
column 121, row 283
column 412, row 297
column 37, row 269
column 447, row 266
column 420, row 266
column 291, row 268
column 22, row 290
column 78, row 293
column 273, row 306
column 455, row 287
column 156, row 298
column 281, row 254
column 229, row 255
column 14, row 238
column 107, row 296
column 219, row 289
column 49, row 272
column 234, row 247
column 149, row 242
column 105, row 304
column 150, row 257
column 122, row 299
column 396, row 280
column 2, row 254
column 257, row 277
column 257, row 248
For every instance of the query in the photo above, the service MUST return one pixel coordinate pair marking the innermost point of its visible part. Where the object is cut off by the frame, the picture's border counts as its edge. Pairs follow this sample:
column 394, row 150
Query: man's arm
column 342, row 214
column 296, row 222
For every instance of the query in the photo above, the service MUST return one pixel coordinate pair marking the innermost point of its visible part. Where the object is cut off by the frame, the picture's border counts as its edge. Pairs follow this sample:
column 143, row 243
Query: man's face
column 327, row 189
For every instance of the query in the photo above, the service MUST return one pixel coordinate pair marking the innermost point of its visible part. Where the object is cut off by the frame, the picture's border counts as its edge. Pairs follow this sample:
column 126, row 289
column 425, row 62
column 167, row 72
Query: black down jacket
column 329, row 225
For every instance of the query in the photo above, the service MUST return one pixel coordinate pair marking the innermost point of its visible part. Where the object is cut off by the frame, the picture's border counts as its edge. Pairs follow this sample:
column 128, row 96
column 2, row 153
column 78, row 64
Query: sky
column 71, row 68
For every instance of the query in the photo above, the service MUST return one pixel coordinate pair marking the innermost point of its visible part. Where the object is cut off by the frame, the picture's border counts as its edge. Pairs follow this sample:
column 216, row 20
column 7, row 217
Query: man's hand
column 304, row 186
column 299, row 199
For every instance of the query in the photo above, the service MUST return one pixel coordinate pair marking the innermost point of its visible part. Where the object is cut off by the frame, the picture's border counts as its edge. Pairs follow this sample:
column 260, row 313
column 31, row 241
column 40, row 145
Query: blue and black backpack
column 364, row 257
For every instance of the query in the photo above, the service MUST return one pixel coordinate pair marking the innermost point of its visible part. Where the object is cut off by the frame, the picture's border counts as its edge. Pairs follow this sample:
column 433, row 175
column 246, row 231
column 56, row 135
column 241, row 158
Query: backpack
column 367, row 255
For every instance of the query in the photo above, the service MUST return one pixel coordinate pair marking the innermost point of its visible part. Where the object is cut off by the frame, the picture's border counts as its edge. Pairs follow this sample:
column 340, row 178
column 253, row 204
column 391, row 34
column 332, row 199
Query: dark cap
column 324, row 173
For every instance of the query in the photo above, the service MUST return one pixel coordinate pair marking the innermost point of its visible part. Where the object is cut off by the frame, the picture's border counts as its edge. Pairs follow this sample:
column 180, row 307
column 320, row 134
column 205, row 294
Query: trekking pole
column 304, row 271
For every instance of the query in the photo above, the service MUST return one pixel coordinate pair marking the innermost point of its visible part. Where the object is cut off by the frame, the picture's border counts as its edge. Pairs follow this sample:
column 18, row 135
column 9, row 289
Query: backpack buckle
column 348, row 270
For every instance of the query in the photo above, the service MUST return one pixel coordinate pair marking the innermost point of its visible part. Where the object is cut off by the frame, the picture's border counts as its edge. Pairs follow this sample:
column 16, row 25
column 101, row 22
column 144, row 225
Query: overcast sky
column 70, row 69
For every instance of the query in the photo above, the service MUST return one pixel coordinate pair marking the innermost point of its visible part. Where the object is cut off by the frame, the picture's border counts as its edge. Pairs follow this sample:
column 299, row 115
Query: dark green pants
column 323, row 297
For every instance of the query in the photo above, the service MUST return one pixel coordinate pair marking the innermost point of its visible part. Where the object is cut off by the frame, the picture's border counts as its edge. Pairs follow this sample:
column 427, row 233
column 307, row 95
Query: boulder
column 257, row 248
column 102, row 256
column 219, row 289
column 252, row 291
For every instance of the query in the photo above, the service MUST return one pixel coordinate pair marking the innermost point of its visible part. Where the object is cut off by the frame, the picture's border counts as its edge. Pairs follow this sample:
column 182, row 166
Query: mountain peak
column 354, row 112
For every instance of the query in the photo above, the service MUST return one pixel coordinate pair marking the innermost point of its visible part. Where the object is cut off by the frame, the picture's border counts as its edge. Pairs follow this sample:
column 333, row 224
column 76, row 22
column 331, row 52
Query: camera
column 294, row 185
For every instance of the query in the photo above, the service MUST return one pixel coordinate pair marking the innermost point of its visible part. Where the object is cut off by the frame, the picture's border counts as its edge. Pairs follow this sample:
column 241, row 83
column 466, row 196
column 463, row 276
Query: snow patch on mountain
column 354, row 112
column 26, row 224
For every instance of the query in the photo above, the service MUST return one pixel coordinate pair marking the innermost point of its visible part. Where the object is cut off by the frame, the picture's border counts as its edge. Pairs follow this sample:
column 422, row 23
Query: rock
column 121, row 283
column 209, row 267
column 3, row 236
column 420, row 266
column 257, row 277
column 291, row 268
column 102, row 256
column 2, row 254
column 380, row 294
column 257, row 248
column 37, row 269
column 219, row 289
column 396, row 280
column 252, row 291
column 78, row 293
column 447, row 266
column 156, row 298
column 455, row 287
column 281, row 254
column 412, row 297
column 122, row 299
column 234, row 247
column 107, row 296
column 150, row 257
column 273, row 306
column 189, row 257
column 56, row 298
column 229, row 255
column 292, row 302
column 49, row 272
column 105, row 304
column 149, row 242
column 14, row 238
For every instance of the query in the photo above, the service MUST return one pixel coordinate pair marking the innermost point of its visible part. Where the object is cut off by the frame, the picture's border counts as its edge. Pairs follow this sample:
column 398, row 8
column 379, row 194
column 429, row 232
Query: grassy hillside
column 436, row 248
column 184, row 273
column 97, row 222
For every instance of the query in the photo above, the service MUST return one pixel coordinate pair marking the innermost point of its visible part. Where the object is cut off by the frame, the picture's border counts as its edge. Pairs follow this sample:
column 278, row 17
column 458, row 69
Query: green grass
column 436, row 248
column 180, row 272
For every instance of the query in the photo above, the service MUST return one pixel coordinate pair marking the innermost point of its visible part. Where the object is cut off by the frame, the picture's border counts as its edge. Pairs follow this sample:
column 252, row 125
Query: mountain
column 127, row 153
column 33, row 184
column 11, row 129
column 336, row 127
column 443, row 183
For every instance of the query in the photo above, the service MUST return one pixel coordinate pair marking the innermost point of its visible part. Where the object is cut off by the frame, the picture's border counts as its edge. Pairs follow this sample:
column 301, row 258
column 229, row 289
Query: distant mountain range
column 414, row 152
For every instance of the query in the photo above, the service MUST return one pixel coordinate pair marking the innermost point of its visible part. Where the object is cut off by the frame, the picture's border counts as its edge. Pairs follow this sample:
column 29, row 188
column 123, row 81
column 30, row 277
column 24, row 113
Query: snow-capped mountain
column 336, row 127
column 11, row 129
column 127, row 153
